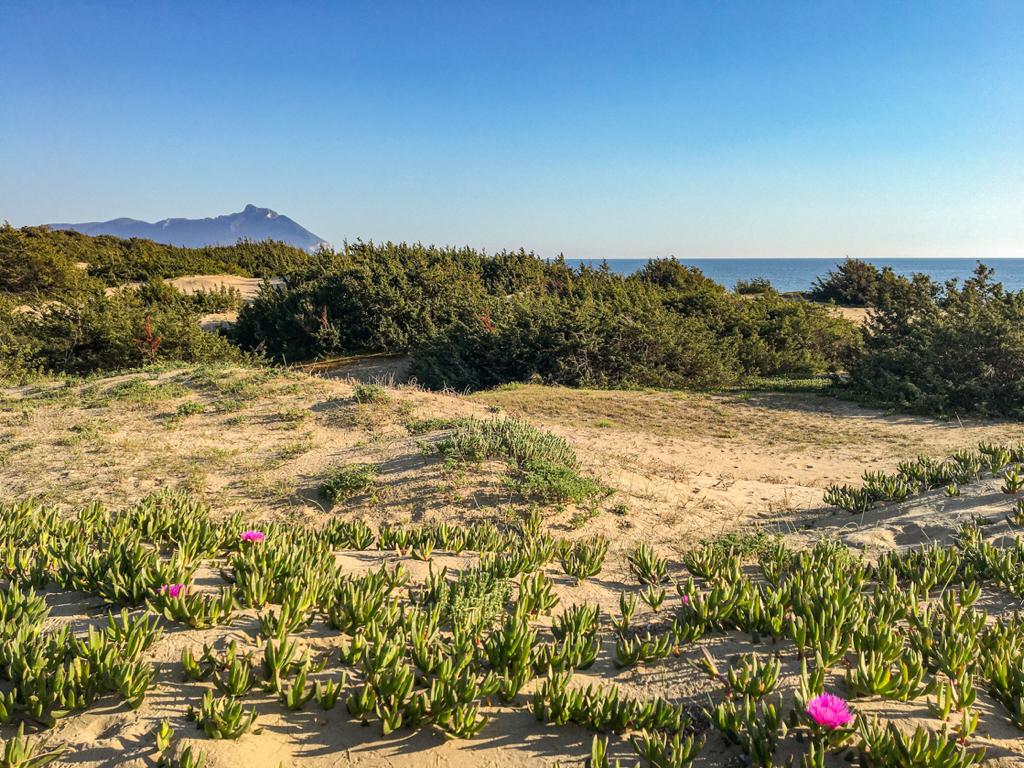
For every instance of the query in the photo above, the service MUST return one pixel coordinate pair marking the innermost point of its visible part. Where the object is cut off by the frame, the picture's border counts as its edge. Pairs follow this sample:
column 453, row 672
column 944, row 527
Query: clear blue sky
column 595, row 129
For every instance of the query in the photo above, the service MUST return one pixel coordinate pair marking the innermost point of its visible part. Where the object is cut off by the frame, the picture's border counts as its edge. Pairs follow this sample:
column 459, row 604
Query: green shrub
column 191, row 408
column 474, row 321
column 370, row 393
column 956, row 350
column 90, row 331
column 348, row 481
column 554, row 484
column 433, row 424
column 49, row 262
column 30, row 270
column 851, row 284
column 753, row 286
column 620, row 335
column 509, row 438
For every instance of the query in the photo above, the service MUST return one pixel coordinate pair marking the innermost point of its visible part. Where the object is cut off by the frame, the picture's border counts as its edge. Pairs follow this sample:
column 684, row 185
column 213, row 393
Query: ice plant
column 253, row 536
column 173, row 590
column 829, row 711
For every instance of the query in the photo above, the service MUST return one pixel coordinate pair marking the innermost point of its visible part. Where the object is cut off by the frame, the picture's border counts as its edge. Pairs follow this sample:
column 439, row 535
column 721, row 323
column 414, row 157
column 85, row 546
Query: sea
column 799, row 274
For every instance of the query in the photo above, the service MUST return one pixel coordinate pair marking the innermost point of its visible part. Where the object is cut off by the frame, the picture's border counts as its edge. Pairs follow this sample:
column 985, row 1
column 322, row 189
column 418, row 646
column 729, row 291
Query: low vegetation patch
column 542, row 466
column 349, row 481
column 370, row 394
column 924, row 474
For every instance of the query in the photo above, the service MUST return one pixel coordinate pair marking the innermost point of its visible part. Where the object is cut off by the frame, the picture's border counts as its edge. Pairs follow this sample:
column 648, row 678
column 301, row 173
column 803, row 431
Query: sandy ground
column 249, row 287
column 702, row 464
column 681, row 464
column 858, row 315
column 684, row 466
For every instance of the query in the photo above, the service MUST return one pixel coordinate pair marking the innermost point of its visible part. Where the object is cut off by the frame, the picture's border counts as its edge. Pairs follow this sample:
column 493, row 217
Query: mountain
column 252, row 224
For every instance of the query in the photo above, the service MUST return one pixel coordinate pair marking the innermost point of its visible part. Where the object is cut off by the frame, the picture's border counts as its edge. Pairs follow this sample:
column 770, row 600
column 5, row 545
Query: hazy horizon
column 599, row 131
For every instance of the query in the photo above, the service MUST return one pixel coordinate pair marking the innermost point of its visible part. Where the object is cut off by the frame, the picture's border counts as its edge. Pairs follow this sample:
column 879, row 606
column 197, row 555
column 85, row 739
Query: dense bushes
column 949, row 350
column 627, row 339
column 45, row 262
column 850, row 284
column 388, row 297
column 472, row 320
column 855, row 283
column 58, row 314
column 754, row 286
column 29, row 270
column 89, row 331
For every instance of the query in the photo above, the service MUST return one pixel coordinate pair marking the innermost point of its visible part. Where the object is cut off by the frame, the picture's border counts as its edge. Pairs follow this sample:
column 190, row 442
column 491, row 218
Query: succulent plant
column 224, row 718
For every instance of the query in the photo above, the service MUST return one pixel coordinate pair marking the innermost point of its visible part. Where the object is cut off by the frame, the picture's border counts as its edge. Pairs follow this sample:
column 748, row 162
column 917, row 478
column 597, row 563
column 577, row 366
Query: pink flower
column 253, row 536
column 173, row 590
column 686, row 599
column 829, row 711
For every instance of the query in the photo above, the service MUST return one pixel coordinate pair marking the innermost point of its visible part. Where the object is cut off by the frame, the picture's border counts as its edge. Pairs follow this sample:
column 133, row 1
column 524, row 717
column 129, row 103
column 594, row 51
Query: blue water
column 799, row 274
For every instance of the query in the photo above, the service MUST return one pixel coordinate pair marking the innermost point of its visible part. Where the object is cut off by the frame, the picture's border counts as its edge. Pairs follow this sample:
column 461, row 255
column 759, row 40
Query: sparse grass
column 435, row 424
column 293, row 418
column 745, row 544
column 88, row 431
column 12, row 449
column 137, row 391
column 296, row 448
column 821, row 385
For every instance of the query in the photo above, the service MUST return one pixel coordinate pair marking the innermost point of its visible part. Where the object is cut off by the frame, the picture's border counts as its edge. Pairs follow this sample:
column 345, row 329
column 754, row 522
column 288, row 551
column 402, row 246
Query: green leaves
column 510, row 651
column 535, row 594
column 224, row 718
column 19, row 752
column 438, row 653
column 197, row 610
column 646, row 566
column 925, row 474
column 604, row 710
column 643, row 649
column 888, row 747
column 755, row 727
column 753, row 676
column 662, row 751
column 584, row 558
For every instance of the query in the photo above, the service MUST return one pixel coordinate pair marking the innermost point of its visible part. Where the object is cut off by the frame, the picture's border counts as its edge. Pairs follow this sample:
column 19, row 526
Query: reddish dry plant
column 485, row 318
column 148, row 343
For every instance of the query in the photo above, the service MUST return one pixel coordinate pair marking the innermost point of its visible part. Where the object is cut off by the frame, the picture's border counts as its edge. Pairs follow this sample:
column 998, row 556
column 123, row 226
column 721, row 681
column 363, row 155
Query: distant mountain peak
column 251, row 223
column 255, row 210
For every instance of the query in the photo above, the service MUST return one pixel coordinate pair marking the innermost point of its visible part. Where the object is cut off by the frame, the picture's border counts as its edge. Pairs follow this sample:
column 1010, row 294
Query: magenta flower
column 686, row 599
column 173, row 590
column 253, row 536
column 829, row 711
